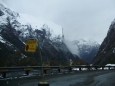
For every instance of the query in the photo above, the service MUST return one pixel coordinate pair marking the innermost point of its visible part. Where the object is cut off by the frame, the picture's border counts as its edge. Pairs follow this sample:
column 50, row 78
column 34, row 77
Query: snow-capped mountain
column 16, row 28
column 106, row 53
column 21, row 23
column 86, row 50
column 25, row 24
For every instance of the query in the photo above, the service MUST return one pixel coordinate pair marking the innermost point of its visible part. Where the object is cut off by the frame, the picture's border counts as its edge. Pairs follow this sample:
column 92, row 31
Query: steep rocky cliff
column 106, row 53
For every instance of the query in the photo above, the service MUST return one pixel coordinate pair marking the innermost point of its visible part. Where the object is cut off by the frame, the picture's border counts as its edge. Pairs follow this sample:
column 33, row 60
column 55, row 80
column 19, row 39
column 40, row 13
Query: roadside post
column 31, row 47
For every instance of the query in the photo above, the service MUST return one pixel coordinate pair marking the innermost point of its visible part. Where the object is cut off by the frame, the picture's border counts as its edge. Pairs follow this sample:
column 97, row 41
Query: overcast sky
column 86, row 19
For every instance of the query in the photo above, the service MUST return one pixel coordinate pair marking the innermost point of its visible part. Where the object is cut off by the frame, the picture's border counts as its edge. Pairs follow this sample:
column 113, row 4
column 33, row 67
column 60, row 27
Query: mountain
column 86, row 50
column 106, row 53
column 16, row 28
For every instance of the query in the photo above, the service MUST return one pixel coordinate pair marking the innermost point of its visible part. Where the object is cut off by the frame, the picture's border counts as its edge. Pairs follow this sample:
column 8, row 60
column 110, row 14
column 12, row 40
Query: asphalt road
column 84, row 78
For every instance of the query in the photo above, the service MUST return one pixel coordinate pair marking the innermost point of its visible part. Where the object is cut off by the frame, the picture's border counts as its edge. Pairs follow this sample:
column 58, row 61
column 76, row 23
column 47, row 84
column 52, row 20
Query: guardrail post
column 27, row 72
column 88, row 68
column 79, row 68
column 95, row 68
column 45, row 71
column 70, row 69
column 109, row 67
column 4, row 74
column 59, row 70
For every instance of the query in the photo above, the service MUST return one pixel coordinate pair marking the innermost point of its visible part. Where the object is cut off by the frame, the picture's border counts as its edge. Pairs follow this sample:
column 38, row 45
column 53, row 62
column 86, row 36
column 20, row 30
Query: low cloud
column 71, row 47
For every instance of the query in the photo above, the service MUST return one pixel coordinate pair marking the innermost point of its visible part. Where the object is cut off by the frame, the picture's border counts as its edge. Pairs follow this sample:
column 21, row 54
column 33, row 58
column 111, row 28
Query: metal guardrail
column 4, row 70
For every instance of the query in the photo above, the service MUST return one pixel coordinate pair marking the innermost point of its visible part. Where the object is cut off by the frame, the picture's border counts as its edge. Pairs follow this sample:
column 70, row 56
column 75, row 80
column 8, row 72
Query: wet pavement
column 78, row 78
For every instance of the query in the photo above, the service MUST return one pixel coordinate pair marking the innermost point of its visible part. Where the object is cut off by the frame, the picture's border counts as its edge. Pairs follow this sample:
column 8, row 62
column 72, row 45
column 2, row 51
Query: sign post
column 43, row 83
column 31, row 47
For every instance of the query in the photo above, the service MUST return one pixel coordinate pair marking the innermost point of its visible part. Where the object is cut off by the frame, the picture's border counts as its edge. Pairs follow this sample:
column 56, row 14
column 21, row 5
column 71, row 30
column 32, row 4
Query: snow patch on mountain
column 85, row 45
column 2, row 40
column 110, row 65
column 1, row 2
column 90, row 42
column 25, row 19
column 37, row 23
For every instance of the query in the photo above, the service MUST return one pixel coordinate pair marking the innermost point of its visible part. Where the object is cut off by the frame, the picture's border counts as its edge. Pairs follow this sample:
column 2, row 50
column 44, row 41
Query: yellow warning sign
column 31, row 45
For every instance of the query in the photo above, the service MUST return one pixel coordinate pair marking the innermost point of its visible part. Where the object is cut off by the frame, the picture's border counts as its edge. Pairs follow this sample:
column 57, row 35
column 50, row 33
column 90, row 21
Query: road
column 84, row 78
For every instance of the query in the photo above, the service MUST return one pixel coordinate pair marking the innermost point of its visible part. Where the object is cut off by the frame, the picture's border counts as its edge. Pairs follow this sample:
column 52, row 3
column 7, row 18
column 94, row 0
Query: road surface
column 84, row 78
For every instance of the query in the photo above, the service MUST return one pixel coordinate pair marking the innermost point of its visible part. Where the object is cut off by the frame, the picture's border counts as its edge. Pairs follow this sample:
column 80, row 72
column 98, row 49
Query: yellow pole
column 41, row 62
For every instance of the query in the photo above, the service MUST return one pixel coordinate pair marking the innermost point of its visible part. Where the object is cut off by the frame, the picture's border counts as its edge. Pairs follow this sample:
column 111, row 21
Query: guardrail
column 5, row 70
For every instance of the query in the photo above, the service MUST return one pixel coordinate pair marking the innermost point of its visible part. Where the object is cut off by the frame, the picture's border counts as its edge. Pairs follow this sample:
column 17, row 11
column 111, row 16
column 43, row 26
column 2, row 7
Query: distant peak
column 82, row 40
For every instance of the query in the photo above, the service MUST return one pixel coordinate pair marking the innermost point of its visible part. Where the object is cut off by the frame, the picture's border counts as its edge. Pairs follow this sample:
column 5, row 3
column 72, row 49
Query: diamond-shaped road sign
column 31, row 45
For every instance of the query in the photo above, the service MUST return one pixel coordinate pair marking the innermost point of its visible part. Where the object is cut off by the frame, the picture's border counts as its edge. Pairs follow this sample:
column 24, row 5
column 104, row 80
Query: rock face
column 16, row 28
column 106, row 53
column 86, row 50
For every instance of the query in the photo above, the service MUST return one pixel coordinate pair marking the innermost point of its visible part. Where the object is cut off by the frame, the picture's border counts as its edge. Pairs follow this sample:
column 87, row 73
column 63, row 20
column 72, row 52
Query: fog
column 72, row 48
